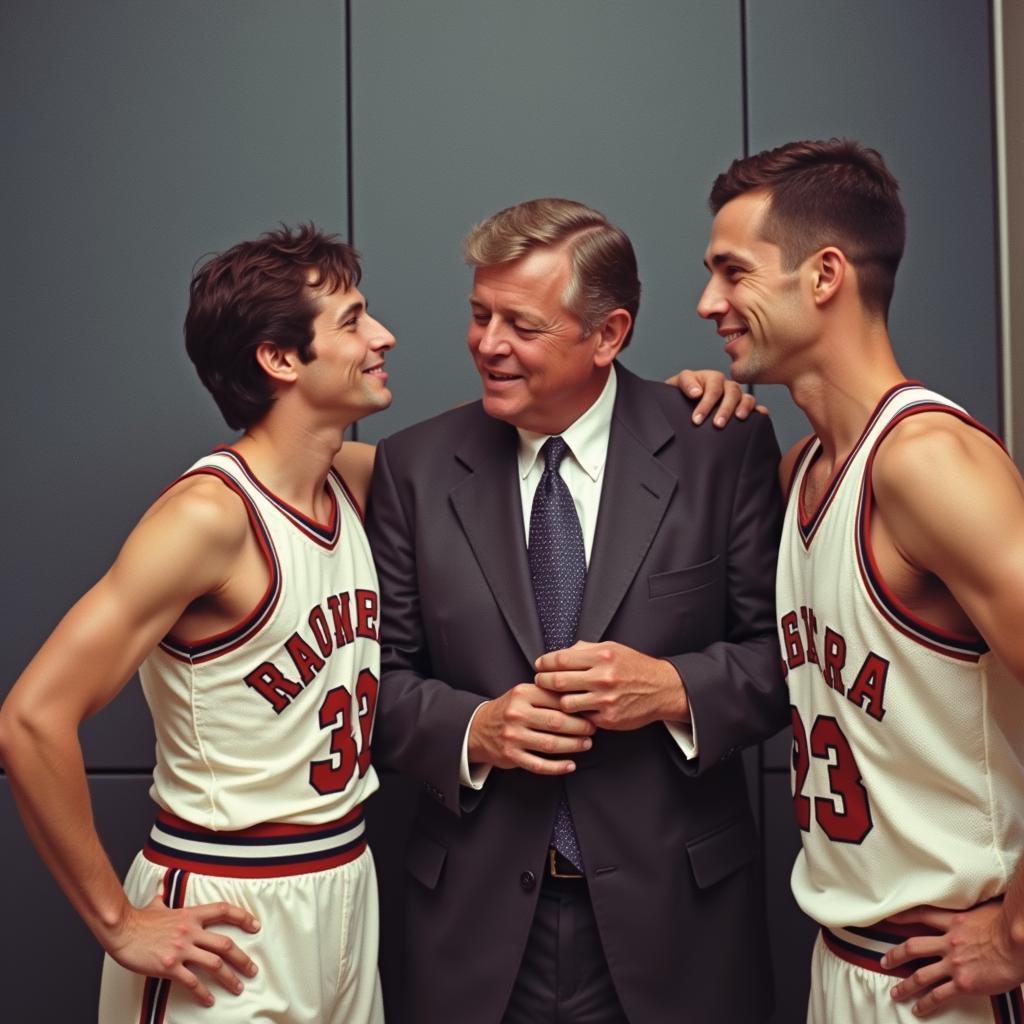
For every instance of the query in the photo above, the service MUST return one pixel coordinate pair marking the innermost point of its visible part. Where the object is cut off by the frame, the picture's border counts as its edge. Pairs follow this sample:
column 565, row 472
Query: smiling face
column 538, row 371
column 760, row 308
column 348, row 349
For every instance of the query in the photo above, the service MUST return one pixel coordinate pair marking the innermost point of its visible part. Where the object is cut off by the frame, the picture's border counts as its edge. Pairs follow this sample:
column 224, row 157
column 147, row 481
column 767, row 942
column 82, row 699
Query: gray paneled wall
column 914, row 80
column 139, row 136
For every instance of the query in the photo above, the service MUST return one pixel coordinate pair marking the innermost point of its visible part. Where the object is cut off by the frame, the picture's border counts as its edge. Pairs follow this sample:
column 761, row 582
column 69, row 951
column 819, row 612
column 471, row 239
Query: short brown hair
column 260, row 291
column 836, row 192
column 604, row 274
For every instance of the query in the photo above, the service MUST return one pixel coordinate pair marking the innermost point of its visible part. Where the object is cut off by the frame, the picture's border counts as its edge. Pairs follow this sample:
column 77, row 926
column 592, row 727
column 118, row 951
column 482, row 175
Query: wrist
column 1013, row 929
column 676, row 703
column 111, row 923
column 476, row 747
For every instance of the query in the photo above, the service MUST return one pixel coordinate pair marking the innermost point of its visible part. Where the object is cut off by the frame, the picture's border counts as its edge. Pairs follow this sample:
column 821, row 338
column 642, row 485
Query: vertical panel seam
column 1004, row 336
column 349, row 188
column 745, row 121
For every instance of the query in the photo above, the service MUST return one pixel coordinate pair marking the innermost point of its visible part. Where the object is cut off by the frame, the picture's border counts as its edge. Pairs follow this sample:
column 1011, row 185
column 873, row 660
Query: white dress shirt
column 582, row 469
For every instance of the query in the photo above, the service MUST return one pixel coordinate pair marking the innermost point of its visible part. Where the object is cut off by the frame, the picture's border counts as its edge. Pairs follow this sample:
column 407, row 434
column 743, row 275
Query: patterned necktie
column 558, row 569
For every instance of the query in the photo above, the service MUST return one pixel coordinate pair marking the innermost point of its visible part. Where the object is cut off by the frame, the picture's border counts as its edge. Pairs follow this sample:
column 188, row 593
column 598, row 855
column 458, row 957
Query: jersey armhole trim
column 234, row 636
column 962, row 646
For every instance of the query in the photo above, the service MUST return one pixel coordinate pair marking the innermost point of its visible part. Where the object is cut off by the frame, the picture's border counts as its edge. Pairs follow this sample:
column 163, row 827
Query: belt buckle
column 553, row 866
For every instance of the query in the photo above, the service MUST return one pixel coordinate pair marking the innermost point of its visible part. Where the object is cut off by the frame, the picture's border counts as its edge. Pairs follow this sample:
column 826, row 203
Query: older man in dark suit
column 578, row 642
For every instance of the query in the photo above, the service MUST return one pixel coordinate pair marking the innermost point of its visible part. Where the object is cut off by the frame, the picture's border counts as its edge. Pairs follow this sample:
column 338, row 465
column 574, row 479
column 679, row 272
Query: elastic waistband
column 865, row 947
column 263, row 851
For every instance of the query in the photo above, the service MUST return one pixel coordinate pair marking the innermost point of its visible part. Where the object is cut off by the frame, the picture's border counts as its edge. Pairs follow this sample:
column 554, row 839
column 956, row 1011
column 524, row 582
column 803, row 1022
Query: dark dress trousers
column 682, row 567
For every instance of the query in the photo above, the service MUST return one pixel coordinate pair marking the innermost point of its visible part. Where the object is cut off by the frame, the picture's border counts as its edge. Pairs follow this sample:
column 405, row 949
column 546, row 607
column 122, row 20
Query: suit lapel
column 636, row 492
column 489, row 508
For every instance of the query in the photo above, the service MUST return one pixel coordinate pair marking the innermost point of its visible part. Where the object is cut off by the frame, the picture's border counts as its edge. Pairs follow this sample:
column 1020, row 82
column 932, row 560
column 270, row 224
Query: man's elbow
column 23, row 729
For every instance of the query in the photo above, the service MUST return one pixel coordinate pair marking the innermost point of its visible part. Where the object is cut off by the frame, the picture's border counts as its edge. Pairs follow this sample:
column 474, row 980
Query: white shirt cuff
column 685, row 736
column 473, row 776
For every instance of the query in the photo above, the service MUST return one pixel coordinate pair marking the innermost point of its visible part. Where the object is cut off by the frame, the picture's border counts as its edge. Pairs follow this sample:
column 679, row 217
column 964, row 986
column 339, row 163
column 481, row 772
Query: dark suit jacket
column 683, row 567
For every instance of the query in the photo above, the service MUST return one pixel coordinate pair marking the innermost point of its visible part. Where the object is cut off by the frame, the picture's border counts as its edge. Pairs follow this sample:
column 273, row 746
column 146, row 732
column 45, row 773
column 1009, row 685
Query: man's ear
column 828, row 272
column 612, row 336
column 276, row 362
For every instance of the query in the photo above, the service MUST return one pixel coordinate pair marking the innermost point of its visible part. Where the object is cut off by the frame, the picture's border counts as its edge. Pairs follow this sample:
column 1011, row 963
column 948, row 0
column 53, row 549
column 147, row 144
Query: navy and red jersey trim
column 156, row 991
column 808, row 523
column 324, row 534
column 845, row 945
column 865, row 947
column 356, row 507
column 797, row 463
column 1008, row 1007
column 964, row 647
column 271, row 850
column 234, row 636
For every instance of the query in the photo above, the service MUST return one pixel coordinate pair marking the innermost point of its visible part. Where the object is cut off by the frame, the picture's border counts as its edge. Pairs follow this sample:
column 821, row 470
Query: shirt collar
column 586, row 438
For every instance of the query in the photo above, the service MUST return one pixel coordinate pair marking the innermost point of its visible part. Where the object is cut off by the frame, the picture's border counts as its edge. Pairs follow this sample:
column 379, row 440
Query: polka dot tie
column 558, row 570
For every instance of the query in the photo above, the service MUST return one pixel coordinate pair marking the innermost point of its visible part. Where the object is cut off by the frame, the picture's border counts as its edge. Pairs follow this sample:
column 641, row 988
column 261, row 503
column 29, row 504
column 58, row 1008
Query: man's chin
column 498, row 407
column 381, row 401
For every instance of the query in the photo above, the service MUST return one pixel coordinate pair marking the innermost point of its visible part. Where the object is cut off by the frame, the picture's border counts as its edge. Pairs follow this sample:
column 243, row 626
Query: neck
column 840, row 388
column 292, row 462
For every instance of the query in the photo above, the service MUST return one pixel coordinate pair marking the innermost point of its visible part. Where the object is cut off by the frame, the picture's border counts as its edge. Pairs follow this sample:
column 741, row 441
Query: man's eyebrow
column 511, row 312
column 724, row 257
column 354, row 307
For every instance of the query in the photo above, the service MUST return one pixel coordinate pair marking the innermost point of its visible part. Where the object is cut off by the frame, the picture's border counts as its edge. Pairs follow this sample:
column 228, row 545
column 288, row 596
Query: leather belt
column 561, row 868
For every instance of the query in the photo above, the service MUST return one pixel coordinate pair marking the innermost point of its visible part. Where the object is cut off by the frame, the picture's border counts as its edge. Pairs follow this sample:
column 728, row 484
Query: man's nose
column 493, row 339
column 712, row 303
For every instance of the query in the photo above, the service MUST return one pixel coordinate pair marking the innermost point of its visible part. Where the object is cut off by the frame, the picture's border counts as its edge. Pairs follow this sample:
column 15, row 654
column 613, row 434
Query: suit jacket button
column 528, row 880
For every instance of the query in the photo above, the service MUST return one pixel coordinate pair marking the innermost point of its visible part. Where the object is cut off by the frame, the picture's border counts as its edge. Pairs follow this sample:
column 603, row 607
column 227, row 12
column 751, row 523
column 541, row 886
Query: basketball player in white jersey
column 900, row 599
column 247, row 598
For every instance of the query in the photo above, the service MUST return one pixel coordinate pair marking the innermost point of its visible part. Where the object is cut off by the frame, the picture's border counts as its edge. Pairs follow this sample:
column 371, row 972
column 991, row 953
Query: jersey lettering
column 333, row 774
column 845, row 814
column 868, row 689
column 330, row 628
column 791, row 639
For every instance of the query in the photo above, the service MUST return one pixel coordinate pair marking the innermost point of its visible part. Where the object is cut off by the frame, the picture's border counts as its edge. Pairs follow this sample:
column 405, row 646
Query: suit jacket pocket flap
column 679, row 581
column 714, row 856
column 424, row 859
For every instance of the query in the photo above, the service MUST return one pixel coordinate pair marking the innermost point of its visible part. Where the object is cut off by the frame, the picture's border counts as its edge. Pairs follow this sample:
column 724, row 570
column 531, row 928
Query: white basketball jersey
column 271, row 720
column 908, row 740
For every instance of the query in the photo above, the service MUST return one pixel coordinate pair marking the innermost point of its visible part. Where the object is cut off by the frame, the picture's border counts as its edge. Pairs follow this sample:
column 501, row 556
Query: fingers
column 221, row 956
column 582, row 655
column 517, row 729
column 914, row 949
column 935, row 1000
column 178, row 944
column 226, row 913
column 920, row 980
column 541, row 765
column 688, row 382
column 746, row 405
column 191, row 983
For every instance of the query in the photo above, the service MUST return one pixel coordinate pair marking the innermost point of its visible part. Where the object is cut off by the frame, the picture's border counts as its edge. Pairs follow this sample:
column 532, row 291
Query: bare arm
column 355, row 464
column 953, row 505
column 180, row 550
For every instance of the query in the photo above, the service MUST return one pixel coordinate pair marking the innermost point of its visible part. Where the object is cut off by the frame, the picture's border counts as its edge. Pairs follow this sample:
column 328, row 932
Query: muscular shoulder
column 201, row 510
column 939, row 482
column 931, row 452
